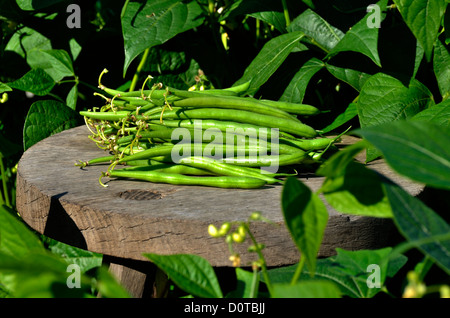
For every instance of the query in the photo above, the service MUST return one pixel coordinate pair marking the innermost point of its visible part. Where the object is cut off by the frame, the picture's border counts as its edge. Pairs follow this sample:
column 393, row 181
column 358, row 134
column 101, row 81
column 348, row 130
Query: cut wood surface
column 129, row 218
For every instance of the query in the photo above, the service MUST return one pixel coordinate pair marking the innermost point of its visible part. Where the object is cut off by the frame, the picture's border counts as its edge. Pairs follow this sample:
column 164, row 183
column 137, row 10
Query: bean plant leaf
column 15, row 238
column 306, row 218
column 72, row 97
column 306, row 289
column 362, row 37
column 358, row 191
column 441, row 65
column 36, row 81
column 271, row 56
column 438, row 114
column 45, row 118
column 354, row 78
column 423, row 17
column 57, row 63
column 317, row 29
column 349, row 271
column 30, row 5
column 416, row 149
column 417, row 222
column 350, row 112
column 4, row 88
column 191, row 273
column 155, row 22
column 384, row 98
column 295, row 91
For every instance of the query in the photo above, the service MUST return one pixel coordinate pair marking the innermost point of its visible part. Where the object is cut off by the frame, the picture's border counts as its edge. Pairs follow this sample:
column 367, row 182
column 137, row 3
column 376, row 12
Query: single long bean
column 179, row 179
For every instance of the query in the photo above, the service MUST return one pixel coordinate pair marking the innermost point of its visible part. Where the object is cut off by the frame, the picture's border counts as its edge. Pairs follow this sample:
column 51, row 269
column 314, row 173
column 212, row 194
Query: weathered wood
column 67, row 203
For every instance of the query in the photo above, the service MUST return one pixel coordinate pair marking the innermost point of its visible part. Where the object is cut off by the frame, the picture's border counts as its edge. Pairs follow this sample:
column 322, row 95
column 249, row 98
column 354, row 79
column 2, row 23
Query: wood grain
column 129, row 218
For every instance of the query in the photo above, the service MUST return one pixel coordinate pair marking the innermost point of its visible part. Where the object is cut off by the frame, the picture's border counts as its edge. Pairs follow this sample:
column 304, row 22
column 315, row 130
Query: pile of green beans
column 141, row 130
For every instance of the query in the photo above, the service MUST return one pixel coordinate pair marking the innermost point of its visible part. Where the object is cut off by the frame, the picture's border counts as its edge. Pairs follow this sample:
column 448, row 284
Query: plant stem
column 254, row 286
column 261, row 257
column 286, row 13
column 298, row 270
column 139, row 69
column 5, row 188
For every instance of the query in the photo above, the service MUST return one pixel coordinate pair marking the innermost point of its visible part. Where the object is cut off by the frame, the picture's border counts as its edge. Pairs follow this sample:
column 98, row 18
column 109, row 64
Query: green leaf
column 349, row 271
column 271, row 56
column 4, row 88
column 384, row 98
column 295, row 91
column 191, row 273
column 30, row 5
column 247, row 284
column 15, row 238
column 274, row 18
column 359, row 191
column 354, row 78
column 441, row 65
column 72, row 97
column 361, row 38
column 57, row 63
column 306, row 218
column 438, row 114
column 336, row 164
column 416, row 222
column 36, row 81
column 317, row 29
column 350, row 112
column 155, row 22
column 416, row 149
column 423, row 18
column 72, row 255
column 306, row 289
column 45, row 118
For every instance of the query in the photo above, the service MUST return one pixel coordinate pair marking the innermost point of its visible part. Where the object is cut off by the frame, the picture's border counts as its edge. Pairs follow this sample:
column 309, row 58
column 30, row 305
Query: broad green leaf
column 191, row 273
column 38, row 275
column 423, row 17
column 15, row 238
column 317, row 29
column 441, row 65
column 72, row 255
column 336, row 164
column 4, row 88
column 107, row 285
column 275, row 18
column 295, row 91
column 416, row 149
column 349, row 113
column 271, row 56
column 349, row 271
column 247, row 284
column 30, row 5
column 306, row 218
column 306, row 289
column 384, row 98
column 438, row 114
column 362, row 38
column 358, row 191
column 155, row 22
column 72, row 97
column 354, row 78
column 45, row 118
column 36, row 81
column 416, row 221
column 57, row 63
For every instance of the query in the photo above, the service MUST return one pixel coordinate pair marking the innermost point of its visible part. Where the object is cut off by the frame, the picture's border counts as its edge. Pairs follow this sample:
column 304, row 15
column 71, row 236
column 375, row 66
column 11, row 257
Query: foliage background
column 358, row 76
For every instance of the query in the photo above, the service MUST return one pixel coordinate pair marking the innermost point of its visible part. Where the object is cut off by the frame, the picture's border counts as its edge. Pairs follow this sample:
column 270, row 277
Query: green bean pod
column 221, row 168
column 292, row 108
column 227, row 102
column 111, row 116
column 179, row 179
column 265, row 161
column 283, row 124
